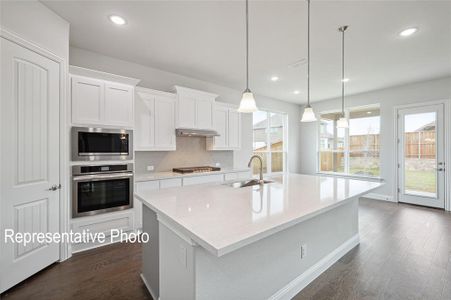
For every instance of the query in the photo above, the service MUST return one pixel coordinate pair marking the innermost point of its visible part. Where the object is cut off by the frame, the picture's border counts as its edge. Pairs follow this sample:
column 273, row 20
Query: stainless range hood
column 196, row 132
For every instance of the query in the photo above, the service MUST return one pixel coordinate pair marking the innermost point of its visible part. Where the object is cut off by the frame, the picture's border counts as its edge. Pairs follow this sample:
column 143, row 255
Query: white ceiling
column 205, row 40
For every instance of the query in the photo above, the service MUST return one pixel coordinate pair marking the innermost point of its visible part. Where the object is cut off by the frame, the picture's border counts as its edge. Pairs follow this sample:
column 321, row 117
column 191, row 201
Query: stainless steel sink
column 245, row 183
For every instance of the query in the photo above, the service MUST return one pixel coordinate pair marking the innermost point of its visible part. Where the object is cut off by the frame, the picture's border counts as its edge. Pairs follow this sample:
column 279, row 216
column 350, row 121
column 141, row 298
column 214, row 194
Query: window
column 269, row 142
column 352, row 151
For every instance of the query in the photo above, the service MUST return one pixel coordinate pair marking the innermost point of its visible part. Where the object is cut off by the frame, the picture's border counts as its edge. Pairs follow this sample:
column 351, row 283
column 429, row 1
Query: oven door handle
column 102, row 176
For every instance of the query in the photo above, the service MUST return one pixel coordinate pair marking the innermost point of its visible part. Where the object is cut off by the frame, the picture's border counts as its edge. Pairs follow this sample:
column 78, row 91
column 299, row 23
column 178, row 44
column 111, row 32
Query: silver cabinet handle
column 55, row 187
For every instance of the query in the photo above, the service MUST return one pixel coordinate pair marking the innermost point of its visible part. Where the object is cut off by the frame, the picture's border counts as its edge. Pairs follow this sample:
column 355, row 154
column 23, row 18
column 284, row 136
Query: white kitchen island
column 262, row 242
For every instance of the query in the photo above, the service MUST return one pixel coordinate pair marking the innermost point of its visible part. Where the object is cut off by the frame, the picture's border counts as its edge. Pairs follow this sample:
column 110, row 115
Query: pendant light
column 308, row 115
column 247, row 104
column 343, row 121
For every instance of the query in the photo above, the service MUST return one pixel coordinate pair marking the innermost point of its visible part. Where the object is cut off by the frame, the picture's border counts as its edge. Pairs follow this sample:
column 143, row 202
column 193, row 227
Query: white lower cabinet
column 237, row 176
column 168, row 183
column 123, row 220
column 203, row 179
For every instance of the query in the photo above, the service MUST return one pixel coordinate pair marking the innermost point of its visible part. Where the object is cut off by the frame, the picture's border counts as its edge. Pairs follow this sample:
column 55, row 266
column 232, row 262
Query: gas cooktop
column 196, row 169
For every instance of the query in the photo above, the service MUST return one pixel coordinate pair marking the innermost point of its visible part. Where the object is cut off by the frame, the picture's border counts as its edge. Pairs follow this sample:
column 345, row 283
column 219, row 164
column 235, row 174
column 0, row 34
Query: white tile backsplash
column 191, row 151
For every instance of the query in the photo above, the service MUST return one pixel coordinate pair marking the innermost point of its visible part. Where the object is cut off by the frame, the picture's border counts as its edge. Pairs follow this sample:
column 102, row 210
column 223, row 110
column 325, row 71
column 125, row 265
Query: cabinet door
column 186, row 112
column 204, row 113
column 118, row 105
column 234, row 129
column 144, row 133
column 87, row 100
column 220, row 121
column 164, row 123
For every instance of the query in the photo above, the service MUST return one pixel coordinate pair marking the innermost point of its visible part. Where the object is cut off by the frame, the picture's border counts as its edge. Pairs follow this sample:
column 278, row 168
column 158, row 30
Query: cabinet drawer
column 147, row 186
column 230, row 176
column 104, row 223
column 244, row 175
column 203, row 179
column 168, row 183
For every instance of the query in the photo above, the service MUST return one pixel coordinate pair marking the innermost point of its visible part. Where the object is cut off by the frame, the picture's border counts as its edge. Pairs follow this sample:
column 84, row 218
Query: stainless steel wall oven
column 100, row 189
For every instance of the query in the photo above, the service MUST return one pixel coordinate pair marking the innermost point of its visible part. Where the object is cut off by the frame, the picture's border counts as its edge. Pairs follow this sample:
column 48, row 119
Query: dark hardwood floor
column 405, row 253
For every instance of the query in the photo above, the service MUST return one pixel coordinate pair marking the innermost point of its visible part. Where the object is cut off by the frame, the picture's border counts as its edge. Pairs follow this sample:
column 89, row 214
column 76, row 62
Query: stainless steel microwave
column 93, row 144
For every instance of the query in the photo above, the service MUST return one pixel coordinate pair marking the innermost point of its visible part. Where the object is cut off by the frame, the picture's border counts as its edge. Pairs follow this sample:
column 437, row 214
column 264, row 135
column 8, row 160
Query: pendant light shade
column 247, row 104
column 309, row 114
column 343, row 121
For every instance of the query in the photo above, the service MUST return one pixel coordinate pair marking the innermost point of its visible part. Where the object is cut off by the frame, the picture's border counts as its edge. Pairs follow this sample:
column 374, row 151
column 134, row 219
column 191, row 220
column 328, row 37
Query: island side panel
column 272, row 267
column 177, row 267
column 150, row 267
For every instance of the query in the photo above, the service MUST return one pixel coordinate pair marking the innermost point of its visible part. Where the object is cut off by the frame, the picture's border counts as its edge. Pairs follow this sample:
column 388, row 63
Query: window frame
column 346, row 151
column 268, row 152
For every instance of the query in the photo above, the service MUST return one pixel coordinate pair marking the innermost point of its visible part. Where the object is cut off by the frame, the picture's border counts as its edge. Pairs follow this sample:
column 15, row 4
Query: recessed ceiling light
column 408, row 31
column 117, row 20
column 296, row 92
column 368, row 113
column 274, row 78
column 345, row 79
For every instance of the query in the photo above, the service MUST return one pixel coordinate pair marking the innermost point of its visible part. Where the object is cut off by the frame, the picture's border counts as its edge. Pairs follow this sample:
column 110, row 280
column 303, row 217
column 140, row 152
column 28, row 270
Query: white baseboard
column 300, row 282
column 148, row 287
column 379, row 197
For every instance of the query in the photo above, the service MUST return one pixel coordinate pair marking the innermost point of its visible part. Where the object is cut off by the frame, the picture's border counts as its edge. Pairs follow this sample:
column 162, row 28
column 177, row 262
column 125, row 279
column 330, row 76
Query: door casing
column 65, row 248
column 446, row 145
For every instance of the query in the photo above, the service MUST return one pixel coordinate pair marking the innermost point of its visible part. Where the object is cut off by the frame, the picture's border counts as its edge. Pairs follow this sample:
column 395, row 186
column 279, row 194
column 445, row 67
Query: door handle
column 55, row 187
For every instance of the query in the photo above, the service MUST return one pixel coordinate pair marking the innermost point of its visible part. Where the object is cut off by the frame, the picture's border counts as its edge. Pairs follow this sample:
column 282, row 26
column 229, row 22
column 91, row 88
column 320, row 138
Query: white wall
column 438, row 89
column 34, row 22
column 164, row 81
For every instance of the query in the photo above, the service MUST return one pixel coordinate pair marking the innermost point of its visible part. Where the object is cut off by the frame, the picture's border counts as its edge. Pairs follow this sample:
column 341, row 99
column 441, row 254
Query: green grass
column 365, row 171
column 423, row 181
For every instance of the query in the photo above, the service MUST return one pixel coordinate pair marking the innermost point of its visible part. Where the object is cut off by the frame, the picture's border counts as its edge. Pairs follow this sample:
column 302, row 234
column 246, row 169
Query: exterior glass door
column 420, row 156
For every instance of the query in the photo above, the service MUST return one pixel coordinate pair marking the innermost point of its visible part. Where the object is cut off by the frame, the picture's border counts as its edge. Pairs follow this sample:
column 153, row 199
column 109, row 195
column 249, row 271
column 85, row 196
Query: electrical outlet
column 303, row 251
column 150, row 168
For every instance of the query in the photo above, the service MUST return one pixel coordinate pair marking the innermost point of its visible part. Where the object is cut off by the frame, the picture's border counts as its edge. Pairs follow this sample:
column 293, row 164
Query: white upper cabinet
column 221, row 120
column 118, row 104
column 186, row 109
column 234, row 129
column 154, row 120
column 194, row 108
column 87, row 100
column 204, row 113
column 227, row 122
column 100, row 98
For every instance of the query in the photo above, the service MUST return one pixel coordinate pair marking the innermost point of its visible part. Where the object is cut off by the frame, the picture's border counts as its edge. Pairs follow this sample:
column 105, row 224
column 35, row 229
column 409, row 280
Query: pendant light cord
column 308, row 53
column 343, row 73
column 247, row 45
column 343, row 29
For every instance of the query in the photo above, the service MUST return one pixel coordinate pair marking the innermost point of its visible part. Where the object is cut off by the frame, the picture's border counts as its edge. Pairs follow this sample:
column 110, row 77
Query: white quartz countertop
column 168, row 175
column 222, row 219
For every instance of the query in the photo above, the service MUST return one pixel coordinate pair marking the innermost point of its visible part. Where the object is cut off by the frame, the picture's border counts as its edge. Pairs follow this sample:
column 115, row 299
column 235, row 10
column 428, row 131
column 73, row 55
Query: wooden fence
column 420, row 145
